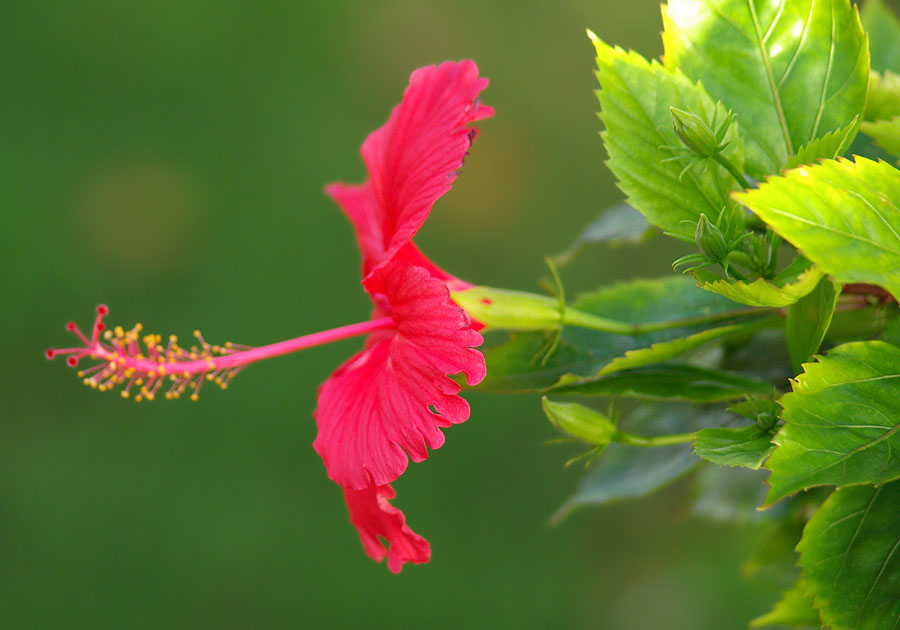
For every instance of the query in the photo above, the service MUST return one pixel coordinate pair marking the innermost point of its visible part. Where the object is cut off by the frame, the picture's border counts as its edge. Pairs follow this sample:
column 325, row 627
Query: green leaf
column 747, row 447
column 795, row 608
column 795, row 281
column 883, row 102
column 790, row 70
column 842, row 215
column 676, row 382
column 831, row 145
column 885, row 133
column 617, row 226
column 840, row 422
column 883, row 27
column 850, row 554
column 665, row 350
column 627, row 472
column 635, row 97
column 808, row 320
column 523, row 364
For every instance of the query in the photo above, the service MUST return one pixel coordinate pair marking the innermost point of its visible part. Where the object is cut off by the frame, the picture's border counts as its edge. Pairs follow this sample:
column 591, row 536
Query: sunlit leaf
column 850, row 555
column 840, row 422
column 665, row 350
column 795, row 281
column 827, row 147
column 843, row 215
column 791, row 70
column 795, row 609
column 635, row 97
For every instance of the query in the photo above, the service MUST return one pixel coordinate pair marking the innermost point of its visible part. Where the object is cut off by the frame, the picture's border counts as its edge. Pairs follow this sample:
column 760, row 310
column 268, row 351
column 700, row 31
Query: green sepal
column 579, row 421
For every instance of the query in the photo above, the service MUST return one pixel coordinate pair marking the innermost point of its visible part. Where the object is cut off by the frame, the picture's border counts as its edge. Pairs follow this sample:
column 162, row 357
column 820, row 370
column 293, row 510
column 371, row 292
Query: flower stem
column 657, row 440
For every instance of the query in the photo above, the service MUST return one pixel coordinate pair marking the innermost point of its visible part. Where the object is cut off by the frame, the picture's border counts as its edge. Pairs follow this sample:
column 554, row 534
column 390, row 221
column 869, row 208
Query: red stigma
column 101, row 326
column 71, row 326
column 102, row 309
column 72, row 361
column 49, row 353
column 486, row 301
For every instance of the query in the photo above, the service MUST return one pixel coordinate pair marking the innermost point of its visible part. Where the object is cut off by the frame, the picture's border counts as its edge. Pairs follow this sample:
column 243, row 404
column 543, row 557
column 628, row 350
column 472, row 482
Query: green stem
column 657, row 440
column 738, row 176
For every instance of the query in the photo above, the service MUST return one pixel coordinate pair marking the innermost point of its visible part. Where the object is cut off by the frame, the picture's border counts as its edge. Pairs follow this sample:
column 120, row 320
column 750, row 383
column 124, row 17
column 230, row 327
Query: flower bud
column 709, row 240
column 694, row 133
column 510, row 310
column 580, row 422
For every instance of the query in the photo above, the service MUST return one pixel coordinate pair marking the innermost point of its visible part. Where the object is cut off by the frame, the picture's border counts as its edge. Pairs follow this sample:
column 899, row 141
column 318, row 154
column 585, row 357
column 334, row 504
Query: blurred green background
column 168, row 158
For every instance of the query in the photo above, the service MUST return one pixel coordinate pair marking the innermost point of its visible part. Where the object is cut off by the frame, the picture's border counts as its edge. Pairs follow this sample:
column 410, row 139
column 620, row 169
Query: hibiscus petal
column 388, row 403
column 413, row 158
column 376, row 519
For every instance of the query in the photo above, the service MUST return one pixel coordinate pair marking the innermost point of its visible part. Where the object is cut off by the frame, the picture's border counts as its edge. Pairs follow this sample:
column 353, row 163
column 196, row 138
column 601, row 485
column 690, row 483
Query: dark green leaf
column 790, row 70
column 729, row 495
column 745, row 446
column 522, row 364
column 679, row 382
column 795, row 609
column 844, row 216
column 619, row 225
column 635, row 97
column 625, row 472
column 808, row 320
column 840, row 422
column 850, row 555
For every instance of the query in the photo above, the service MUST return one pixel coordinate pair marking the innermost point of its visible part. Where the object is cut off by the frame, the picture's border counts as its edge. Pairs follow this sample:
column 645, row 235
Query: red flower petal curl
column 412, row 159
column 388, row 403
column 375, row 518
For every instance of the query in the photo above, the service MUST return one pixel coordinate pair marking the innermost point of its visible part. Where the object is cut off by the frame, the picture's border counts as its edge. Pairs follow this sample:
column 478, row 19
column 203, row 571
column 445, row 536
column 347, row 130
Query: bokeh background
column 168, row 158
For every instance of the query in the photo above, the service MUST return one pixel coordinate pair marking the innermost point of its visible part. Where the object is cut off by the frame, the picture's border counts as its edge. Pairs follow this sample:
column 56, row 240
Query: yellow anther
column 185, row 374
column 125, row 394
column 140, row 381
column 138, row 398
column 151, row 374
column 194, row 397
column 119, row 331
column 162, row 369
column 107, row 335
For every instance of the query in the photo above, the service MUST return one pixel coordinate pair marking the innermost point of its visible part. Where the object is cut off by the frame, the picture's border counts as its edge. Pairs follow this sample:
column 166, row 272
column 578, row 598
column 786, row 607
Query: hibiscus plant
column 768, row 365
